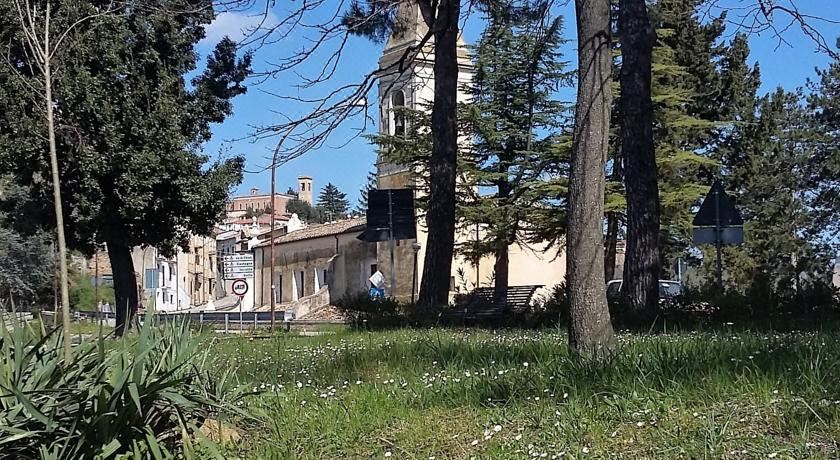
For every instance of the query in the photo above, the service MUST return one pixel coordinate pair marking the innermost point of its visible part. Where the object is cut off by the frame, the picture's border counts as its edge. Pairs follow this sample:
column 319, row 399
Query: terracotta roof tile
column 320, row 230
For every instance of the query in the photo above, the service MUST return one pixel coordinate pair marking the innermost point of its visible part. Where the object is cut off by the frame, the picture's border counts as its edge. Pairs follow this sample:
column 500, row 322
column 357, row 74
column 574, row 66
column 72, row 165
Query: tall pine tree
column 823, row 168
column 783, row 245
column 332, row 203
column 514, row 119
column 131, row 130
column 684, row 75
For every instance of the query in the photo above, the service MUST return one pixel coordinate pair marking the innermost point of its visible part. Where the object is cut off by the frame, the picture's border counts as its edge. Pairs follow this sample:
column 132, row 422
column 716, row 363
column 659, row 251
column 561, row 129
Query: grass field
column 448, row 394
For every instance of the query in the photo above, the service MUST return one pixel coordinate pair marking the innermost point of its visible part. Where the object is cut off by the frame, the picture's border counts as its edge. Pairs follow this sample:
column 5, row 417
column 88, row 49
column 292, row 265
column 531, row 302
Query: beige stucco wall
column 529, row 265
column 347, row 268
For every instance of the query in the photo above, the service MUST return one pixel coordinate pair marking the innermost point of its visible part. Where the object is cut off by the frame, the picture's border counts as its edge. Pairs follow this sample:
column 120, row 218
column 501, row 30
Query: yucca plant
column 144, row 397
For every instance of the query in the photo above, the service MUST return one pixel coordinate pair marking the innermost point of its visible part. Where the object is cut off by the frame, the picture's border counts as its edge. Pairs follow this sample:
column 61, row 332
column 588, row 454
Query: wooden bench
column 482, row 306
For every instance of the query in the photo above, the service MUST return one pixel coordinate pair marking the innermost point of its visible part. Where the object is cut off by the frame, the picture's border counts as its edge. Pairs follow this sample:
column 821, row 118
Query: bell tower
column 305, row 189
column 412, row 88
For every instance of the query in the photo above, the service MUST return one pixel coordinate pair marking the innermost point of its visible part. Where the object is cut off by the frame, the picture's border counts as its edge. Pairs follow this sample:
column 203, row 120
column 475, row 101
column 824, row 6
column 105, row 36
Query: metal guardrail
column 230, row 319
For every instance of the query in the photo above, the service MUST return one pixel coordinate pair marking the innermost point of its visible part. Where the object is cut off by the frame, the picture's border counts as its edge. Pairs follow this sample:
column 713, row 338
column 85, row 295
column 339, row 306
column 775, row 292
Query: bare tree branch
column 758, row 16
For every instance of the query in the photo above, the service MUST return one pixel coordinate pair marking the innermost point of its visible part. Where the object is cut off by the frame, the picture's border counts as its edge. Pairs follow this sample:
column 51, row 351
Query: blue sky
column 347, row 164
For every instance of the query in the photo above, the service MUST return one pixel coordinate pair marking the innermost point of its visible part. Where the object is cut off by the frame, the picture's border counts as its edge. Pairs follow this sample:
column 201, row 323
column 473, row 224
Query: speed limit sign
column 239, row 287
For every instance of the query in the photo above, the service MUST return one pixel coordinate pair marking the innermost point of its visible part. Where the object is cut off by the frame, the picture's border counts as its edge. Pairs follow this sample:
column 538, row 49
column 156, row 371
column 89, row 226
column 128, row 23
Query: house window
column 398, row 102
column 151, row 278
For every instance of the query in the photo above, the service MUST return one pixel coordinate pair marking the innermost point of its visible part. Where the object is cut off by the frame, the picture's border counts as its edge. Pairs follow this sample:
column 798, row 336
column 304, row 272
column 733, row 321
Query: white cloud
column 236, row 25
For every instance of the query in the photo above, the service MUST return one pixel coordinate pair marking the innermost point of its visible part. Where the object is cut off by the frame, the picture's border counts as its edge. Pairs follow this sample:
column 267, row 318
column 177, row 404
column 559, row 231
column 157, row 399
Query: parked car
column 669, row 291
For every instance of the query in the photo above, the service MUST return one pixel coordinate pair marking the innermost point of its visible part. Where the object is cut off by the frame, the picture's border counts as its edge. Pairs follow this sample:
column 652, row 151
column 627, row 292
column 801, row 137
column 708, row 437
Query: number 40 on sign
column 239, row 287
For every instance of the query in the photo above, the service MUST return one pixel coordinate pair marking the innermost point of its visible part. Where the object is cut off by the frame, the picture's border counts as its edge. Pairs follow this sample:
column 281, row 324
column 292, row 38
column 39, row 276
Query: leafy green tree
column 823, row 168
column 684, row 114
column 332, row 203
column 131, row 130
column 765, row 172
column 250, row 212
column 27, row 262
column 703, row 90
column 514, row 119
column 304, row 211
column 83, row 292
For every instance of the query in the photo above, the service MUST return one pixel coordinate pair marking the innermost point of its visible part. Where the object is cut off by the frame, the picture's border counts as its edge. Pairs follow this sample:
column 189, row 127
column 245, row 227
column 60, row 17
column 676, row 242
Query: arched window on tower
column 397, row 103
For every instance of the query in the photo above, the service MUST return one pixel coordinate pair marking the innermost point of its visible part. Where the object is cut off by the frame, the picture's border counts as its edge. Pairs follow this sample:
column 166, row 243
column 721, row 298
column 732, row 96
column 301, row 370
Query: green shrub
column 362, row 311
column 143, row 398
column 551, row 309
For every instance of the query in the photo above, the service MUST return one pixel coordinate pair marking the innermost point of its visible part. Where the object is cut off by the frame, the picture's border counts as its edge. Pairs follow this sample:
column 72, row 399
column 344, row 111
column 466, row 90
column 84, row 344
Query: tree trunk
column 125, row 284
column 440, row 217
column 641, row 265
column 56, row 183
column 613, row 223
column 611, row 245
column 501, row 270
column 590, row 330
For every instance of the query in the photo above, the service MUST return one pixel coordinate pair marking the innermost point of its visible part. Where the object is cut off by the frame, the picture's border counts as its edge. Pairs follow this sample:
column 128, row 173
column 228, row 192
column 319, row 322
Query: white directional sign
column 239, row 287
column 237, row 266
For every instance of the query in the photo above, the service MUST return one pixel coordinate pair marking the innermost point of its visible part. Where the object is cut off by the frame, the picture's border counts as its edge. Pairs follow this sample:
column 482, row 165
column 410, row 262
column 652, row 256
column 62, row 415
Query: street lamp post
column 416, row 248
column 274, row 159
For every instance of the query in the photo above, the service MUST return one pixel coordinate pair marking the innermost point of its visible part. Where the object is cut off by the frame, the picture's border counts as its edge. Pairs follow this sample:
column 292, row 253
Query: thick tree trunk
column 125, row 285
column 641, row 264
column 440, row 218
column 501, row 270
column 611, row 246
column 590, row 330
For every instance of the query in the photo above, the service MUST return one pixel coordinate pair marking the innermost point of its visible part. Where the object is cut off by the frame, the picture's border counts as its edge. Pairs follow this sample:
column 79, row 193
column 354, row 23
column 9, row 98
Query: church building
column 414, row 88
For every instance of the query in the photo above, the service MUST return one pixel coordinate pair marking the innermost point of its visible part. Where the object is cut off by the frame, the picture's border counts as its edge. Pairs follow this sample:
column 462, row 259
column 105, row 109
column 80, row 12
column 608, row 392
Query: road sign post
column 240, row 288
column 718, row 222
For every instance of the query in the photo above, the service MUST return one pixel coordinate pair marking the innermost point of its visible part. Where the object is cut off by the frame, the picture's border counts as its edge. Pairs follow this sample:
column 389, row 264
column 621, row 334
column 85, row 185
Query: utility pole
column 177, row 281
column 392, row 243
column 96, row 278
column 718, row 243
